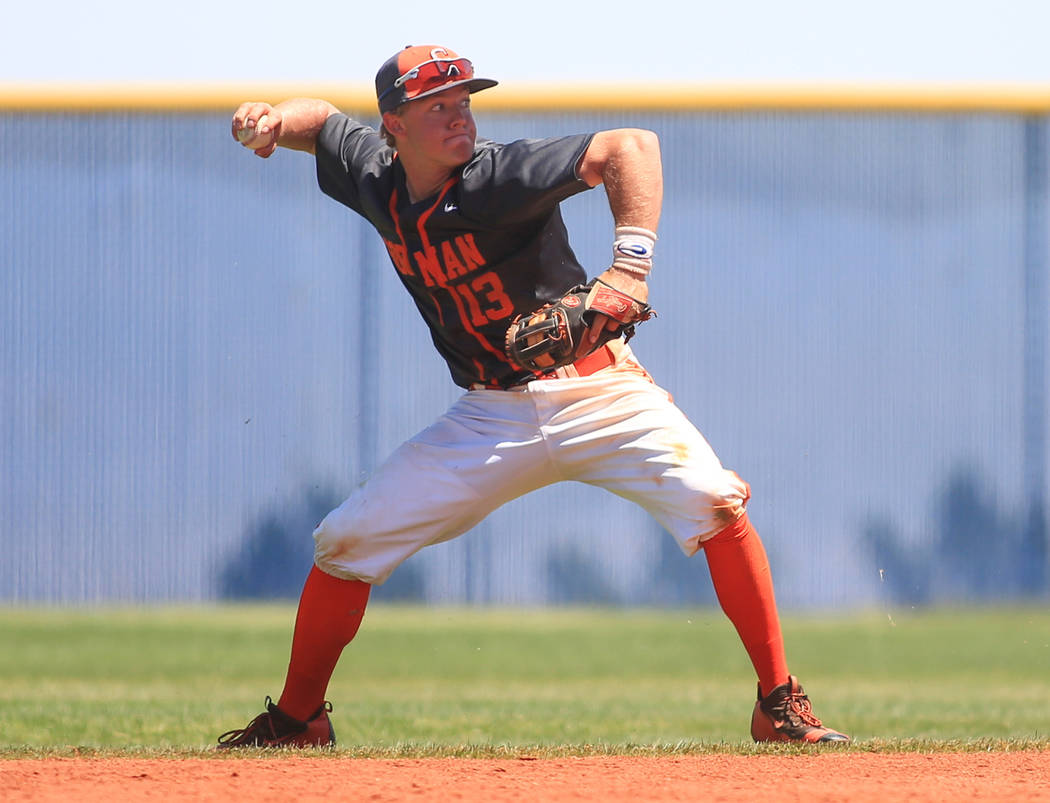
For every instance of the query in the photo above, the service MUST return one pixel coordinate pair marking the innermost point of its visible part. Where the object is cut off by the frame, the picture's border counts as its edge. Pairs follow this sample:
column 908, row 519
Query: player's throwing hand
column 257, row 126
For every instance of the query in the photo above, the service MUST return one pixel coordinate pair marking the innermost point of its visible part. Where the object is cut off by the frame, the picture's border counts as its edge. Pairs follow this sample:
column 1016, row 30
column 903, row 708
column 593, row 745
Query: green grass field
column 454, row 681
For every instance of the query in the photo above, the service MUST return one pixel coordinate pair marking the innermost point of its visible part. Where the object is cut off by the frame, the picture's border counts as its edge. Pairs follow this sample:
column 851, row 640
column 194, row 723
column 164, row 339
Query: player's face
column 440, row 127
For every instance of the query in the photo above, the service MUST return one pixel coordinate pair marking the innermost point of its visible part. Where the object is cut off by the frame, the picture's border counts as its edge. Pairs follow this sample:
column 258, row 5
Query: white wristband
column 633, row 249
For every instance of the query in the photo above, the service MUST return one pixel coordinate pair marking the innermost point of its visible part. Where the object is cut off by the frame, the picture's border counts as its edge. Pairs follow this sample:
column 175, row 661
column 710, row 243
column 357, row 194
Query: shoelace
column 800, row 705
column 250, row 732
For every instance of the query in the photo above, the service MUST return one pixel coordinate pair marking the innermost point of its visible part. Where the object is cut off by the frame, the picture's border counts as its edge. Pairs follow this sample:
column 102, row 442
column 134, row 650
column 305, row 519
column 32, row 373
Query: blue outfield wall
column 200, row 353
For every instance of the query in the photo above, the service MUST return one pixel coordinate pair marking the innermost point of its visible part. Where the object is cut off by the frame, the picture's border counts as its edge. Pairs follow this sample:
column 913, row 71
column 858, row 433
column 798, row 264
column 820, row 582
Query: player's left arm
column 627, row 161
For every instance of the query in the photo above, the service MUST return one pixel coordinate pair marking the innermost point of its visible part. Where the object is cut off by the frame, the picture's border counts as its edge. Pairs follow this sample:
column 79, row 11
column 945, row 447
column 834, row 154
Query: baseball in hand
column 248, row 136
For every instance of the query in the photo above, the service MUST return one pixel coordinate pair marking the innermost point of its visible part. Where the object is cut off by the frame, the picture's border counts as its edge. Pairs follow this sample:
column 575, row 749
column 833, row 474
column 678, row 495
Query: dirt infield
column 852, row 776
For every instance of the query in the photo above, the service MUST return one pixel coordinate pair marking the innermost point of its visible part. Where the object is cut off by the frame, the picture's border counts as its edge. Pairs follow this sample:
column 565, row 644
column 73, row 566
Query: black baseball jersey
column 490, row 245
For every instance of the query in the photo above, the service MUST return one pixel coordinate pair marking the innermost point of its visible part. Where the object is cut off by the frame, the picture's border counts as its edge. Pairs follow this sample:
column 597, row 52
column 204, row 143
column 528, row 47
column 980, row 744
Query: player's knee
column 345, row 546
column 729, row 503
column 733, row 495
column 334, row 540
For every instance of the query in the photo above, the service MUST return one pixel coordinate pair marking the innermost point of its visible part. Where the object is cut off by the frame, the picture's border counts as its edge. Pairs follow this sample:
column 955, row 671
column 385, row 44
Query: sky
column 539, row 41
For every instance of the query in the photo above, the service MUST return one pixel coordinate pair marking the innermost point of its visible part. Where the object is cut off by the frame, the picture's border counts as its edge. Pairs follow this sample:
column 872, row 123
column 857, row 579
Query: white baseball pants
column 615, row 429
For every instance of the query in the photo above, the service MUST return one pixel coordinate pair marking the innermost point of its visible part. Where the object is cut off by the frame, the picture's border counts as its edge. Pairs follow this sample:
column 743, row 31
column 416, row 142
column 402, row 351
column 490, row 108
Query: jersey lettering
column 491, row 289
column 486, row 300
column 399, row 256
column 430, row 266
column 486, row 288
column 469, row 250
column 452, row 264
column 477, row 317
column 457, row 257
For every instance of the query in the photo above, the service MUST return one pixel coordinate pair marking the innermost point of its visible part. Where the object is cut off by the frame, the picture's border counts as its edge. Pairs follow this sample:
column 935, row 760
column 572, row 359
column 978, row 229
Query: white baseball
column 247, row 134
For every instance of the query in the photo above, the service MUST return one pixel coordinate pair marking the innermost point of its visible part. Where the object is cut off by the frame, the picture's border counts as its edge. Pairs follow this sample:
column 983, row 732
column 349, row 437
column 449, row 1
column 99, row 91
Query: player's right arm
column 293, row 123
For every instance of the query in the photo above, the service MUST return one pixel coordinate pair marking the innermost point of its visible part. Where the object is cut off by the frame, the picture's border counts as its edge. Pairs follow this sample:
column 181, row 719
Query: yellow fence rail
column 1022, row 99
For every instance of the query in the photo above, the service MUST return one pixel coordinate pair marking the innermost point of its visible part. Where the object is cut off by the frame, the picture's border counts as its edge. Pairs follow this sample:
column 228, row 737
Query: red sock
column 330, row 611
column 742, row 579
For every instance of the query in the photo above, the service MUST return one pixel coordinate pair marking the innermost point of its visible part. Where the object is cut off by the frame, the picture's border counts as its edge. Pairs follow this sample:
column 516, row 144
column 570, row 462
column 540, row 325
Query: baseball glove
column 553, row 336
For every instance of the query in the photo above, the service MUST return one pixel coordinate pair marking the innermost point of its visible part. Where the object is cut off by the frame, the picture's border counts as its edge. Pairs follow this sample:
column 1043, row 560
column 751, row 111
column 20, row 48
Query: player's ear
column 393, row 123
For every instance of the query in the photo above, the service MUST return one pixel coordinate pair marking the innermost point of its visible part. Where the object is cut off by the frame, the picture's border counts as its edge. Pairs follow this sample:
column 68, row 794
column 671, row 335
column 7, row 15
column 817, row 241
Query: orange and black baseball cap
column 421, row 70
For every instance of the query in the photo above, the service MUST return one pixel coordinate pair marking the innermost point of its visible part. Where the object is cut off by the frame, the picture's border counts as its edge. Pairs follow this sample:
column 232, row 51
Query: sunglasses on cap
column 430, row 75
column 420, row 70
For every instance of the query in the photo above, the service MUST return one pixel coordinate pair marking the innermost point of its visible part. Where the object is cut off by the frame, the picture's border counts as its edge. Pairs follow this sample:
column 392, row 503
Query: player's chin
column 460, row 147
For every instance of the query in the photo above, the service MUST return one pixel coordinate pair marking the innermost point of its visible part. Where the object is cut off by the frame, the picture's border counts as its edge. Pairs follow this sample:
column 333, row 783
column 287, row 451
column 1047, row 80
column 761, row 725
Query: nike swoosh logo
column 450, row 207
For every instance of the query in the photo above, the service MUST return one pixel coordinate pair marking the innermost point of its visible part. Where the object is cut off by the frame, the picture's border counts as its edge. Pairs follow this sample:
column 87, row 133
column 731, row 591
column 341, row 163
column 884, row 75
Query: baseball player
column 552, row 390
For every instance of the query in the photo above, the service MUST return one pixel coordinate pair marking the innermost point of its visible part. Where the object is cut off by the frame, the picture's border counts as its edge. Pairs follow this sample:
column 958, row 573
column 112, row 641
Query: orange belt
column 585, row 366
